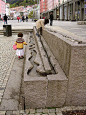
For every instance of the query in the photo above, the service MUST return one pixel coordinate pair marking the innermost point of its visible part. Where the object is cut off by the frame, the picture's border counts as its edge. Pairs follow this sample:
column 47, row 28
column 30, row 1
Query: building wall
column 8, row 9
column 50, row 4
column 2, row 7
column 43, row 6
column 56, row 2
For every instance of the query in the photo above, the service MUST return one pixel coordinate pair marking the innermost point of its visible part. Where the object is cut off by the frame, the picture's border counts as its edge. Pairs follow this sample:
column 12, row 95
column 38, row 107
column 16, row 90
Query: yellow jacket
column 40, row 23
column 19, row 42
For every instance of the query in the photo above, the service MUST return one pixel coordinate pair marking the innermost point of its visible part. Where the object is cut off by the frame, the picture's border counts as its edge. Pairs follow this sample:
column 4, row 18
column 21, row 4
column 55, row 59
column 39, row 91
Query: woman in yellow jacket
column 19, row 42
column 40, row 25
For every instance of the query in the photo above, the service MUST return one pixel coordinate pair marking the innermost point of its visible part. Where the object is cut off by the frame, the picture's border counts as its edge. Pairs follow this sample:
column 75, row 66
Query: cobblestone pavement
column 7, row 56
column 46, row 111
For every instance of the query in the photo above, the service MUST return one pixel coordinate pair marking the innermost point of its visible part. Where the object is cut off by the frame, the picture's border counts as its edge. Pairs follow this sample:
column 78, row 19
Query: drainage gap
column 52, row 68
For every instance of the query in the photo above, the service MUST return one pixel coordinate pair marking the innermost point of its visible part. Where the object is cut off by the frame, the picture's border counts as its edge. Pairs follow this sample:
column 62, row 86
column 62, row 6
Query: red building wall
column 43, row 6
column 2, row 7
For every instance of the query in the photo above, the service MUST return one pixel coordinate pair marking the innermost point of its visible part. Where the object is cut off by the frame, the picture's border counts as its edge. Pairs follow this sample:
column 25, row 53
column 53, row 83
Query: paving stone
column 81, row 108
column 21, row 111
column 44, row 114
column 69, row 108
column 75, row 108
column 45, row 111
column 52, row 111
column 31, row 114
column 39, row 110
column 59, row 113
column 64, row 109
column 27, row 110
column 58, row 110
column 2, row 112
column 32, row 111
column 84, row 107
column 9, row 112
column 15, row 112
column 38, row 113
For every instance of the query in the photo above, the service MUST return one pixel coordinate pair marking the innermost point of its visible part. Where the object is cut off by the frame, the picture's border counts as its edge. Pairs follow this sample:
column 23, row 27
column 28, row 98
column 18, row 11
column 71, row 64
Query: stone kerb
column 71, row 56
column 81, row 22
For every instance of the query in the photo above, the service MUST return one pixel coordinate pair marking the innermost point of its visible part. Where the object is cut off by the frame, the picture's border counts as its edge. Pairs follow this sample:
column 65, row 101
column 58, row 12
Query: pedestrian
column 23, row 18
column 18, row 18
column 40, row 25
column 19, row 42
column 26, row 18
column 51, row 19
column 5, row 19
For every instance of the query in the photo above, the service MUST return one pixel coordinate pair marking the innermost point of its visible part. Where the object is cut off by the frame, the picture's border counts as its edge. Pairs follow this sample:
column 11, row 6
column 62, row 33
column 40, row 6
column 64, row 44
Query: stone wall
column 65, row 88
column 60, row 47
column 72, row 59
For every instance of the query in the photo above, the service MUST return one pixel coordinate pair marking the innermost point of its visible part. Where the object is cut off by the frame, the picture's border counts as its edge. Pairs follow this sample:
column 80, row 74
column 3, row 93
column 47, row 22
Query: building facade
column 50, row 4
column 43, row 6
column 68, row 10
column 8, row 9
column 2, row 8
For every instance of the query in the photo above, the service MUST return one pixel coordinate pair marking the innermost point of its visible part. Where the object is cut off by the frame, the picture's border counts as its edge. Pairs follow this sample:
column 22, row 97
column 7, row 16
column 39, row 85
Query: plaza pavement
column 9, row 63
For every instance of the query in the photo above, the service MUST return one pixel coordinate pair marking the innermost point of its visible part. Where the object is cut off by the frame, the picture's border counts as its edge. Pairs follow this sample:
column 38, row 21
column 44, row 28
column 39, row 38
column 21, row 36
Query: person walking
column 19, row 42
column 51, row 19
column 18, row 18
column 5, row 19
column 26, row 18
column 23, row 18
column 40, row 25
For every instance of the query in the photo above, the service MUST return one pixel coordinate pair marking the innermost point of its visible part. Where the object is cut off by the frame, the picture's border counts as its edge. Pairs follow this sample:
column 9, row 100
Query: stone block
column 52, row 110
column 39, row 110
column 76, row 85
column 45, row 111
column 57, row 89
column 32, row 111
column 35, row 92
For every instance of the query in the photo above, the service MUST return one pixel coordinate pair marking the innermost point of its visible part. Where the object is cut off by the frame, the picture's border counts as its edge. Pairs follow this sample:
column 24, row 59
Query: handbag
column 15, row 47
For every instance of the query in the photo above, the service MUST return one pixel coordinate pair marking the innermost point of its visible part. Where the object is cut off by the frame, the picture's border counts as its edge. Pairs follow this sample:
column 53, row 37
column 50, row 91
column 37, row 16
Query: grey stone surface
column 60, row 49
column 11, row 95
column 39, row 110
column 57, row 89
column 76, row 85
column 81, row 22
column 71, row 58
column 12, row 81
column 35, row 92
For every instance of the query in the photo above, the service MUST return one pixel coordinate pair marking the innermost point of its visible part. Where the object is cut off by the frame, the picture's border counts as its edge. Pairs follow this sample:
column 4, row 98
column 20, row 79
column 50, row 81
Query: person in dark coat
column 26, row 18
column 23, row 18
column 5, row 19
column 51, row 19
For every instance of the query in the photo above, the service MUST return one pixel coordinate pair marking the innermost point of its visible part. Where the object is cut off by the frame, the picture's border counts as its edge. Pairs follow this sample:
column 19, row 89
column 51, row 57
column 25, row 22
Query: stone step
column 14, row 31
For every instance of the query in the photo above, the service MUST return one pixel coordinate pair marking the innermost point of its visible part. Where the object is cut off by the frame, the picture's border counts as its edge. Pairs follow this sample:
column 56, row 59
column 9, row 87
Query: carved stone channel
column 39, row 59
column 43, row 77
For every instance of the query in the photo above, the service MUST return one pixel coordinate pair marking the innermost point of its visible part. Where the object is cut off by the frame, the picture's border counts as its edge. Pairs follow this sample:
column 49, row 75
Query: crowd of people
column 22, row 18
